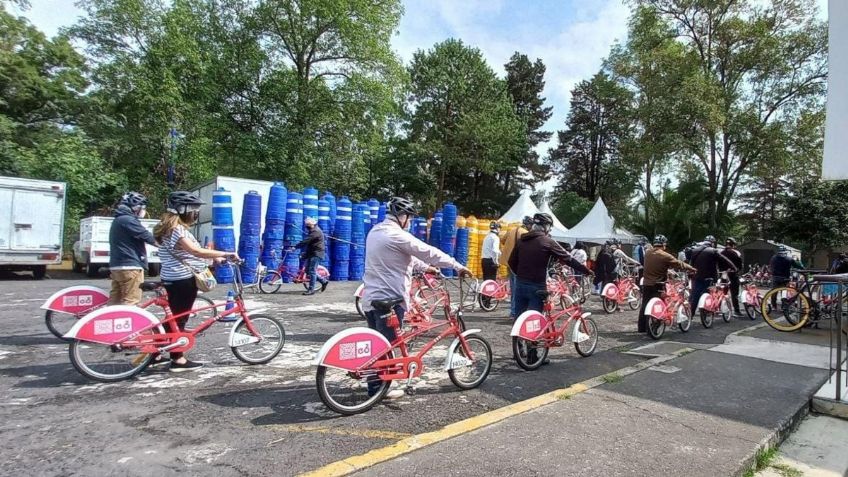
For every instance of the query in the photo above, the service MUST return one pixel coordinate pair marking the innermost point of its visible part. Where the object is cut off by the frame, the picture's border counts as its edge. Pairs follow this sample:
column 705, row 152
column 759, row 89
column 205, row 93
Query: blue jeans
column 527, row 299
column 378, row 323
column 699, row 286
column 312, row 272
column 512, row 296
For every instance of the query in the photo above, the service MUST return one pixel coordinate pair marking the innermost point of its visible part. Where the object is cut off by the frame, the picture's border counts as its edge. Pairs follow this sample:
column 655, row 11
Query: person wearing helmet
column 707, row 261
column 658, row 262
column 622, row 261
column 604, row 267
column 389, row 258
column 530, row 259
column 781, row 265
column 510, row 240
column 127, row 250
column 182, row 257
column 735, row 256
column 491, row 252
column 313, row 246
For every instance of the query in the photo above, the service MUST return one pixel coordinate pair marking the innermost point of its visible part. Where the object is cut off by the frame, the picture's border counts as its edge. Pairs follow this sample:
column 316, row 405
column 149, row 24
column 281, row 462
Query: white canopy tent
column 559, row 232
column 522, row 207
column 598, row 227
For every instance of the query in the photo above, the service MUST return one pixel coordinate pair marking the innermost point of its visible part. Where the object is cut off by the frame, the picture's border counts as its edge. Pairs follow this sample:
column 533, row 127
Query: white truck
column 32, row 215
column 91, row 251
column 237, row 187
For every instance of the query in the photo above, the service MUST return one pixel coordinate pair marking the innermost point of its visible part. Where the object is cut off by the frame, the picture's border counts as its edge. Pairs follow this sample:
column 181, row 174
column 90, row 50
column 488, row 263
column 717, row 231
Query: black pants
column 181, row 296
column 648, row 292
column 734, row 291
column 490, row 269
column 779, row 282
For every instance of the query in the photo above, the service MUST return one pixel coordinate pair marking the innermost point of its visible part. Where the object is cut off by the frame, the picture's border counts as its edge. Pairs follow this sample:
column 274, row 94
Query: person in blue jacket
column 127, row 251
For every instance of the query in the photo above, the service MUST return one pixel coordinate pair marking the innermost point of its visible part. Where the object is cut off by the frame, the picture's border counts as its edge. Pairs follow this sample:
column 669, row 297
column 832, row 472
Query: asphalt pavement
column 232, row 419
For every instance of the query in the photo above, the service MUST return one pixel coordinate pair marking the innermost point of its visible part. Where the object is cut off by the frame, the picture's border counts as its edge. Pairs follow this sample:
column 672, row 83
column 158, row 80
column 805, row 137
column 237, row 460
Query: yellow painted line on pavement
column 418, row 441
column 340, row 431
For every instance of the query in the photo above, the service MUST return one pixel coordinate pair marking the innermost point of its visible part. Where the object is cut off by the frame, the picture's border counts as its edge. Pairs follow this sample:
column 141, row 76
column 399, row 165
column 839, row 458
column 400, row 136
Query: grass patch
column 762, row 460
column 563, row 397
column 612, row 378
column 685, row 352
column 787, row 470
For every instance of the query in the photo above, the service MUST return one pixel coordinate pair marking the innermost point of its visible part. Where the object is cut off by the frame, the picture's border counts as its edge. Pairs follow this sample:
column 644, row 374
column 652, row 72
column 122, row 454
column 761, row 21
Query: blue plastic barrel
column 341, row 247
column 294, row 219
column 324, row 225
column 275, row 226
column 222, row 207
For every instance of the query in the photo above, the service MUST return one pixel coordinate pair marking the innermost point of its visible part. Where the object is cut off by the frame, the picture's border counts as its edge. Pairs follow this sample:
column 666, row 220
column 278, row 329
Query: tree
column 462, row 126
column 815, row 216
column 588, row 157
column 570, row 208
column 525, row 83
column 758, row 64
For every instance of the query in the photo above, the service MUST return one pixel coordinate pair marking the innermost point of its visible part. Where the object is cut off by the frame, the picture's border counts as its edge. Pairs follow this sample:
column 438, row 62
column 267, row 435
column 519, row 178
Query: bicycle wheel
column 726, row 310
column 587, row 347
column 359, row 310
column 107, row 363
column 684, row 316
column 792, row 310
column 473, row 374
column 273, row 338
column 522, row 351
column 271, row 282
column 609, row 305
column 59, row 323
column 707, row 318
column 488, row 303
column 196, row 318
column 346, row 393
column 750, row 310
column 634, row 299
column 565, row 301
column 656, row 327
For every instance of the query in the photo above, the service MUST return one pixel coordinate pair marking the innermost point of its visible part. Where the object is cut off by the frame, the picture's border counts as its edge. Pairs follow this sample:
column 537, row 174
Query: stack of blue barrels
column 310, row 203
column 461, row 253
column 275, row 227
column 341, row 247
column 381, row 212
column 421, row 228
column 294, row 234
column 357, row 234
column 436, row 229
column 331, row 200
column 324, row 225
column 448, row 235
column 250, row 229
column 374, row 213
column 223, row 235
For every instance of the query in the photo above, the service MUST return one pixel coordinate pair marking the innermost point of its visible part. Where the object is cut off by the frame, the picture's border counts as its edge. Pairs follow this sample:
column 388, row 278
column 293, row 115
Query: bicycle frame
column 672, row 298
column 495, row 289
column 619, row 290
column 547, row 334
column 712, row 300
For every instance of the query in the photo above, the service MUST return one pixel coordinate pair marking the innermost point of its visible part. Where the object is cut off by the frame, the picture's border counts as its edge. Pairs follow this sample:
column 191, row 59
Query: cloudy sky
column 570, row 36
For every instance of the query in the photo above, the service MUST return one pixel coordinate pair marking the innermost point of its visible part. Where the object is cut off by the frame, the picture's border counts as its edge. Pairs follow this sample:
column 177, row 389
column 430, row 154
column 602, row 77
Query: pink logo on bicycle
column 77, row 300
column 112, row 326
column 354, row 350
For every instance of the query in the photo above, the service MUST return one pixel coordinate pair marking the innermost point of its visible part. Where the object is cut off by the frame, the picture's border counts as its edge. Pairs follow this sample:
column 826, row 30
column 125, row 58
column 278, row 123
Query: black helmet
column 567, row 247
column 134, row 199
column 710, row 239
column 616, row 241
column 494, row 226
column 181, row 201
column 527, row 222
column 401, row 206
column 660, row 240
column 731, row 241
column 543, row 219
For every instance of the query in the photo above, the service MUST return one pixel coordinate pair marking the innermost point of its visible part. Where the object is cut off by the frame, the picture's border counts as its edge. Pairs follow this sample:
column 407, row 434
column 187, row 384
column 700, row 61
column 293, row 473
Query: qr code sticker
column 70, row 301
column 363, row 349
column 347, row 351
column 102, row 327
column 533, row 325
column 86, row 300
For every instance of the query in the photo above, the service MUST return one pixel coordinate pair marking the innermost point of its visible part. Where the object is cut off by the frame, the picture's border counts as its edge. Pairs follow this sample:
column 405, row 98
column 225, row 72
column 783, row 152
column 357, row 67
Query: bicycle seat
column 543, row 294
column 150, row 286
column 385, row 306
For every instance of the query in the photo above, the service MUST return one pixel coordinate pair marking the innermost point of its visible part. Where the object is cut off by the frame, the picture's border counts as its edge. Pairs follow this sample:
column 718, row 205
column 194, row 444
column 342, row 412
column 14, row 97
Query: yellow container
column 460, row 222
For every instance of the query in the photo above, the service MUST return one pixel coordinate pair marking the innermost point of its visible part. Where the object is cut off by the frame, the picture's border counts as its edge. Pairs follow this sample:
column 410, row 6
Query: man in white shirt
column 491, row 252
column 390, row 253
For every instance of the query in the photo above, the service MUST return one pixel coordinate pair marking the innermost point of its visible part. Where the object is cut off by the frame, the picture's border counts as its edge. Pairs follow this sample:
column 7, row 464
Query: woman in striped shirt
column 182, row 257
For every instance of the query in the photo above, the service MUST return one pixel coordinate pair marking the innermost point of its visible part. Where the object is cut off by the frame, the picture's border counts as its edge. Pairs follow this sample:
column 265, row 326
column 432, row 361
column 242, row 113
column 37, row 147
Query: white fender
column 609, row 290
column 453, row 362
column 578, row 336
column 240, row 339
column 79, row 298
column 655, row 307
column 518, row 326
column 351, row 348
column 360, row 290
column 112, row 324
column 702, row 302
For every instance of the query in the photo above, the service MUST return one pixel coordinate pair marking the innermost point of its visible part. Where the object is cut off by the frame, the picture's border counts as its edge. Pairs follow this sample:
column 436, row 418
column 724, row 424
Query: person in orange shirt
column 509, row 242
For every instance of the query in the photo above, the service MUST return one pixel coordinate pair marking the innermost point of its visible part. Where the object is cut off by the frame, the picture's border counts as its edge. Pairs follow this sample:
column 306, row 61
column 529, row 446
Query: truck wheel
column 92, row 270
column 39, row 272
column 76, row 266
column 153, row 269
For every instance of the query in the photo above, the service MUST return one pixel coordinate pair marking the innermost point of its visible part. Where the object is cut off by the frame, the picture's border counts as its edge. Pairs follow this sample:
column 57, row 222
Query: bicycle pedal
column 409, row 390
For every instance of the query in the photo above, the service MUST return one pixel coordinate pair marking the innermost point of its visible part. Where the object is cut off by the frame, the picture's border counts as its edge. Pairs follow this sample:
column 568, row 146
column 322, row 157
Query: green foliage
column 815, row 216
column 525, row 83
column 570, row 208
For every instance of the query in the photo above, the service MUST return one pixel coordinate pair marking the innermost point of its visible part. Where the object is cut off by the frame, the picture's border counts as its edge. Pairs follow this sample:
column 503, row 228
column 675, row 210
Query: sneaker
column 308, row 292
column 395, row 394
column 159, row 361
column 187, row 366
column 324, row 286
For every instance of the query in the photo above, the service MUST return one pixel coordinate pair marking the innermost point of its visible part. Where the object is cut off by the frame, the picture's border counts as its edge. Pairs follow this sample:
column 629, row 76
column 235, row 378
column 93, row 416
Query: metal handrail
column 840, row 280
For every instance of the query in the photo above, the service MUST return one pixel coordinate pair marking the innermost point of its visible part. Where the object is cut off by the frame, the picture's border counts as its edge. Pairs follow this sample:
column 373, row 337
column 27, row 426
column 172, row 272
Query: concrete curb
column 786, row 427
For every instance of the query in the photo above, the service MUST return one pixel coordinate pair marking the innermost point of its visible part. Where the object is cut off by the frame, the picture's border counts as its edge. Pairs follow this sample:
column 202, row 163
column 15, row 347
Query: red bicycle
column 622, row 290
column 67, row 306
column 424, row 288
column 270, row 282
column 540, row 332
column 714, row 302
column 352, row 359
column 118, row 342
column 671, row 310
column 751, row 297
column 492, row 293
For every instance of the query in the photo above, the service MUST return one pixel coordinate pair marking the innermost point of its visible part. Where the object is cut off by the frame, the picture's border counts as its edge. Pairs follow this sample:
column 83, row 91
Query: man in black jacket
column 127, row 251
column 735, row 257
column 604, row 268
column 314, row 253
column 707, row 261
column 529, row 261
